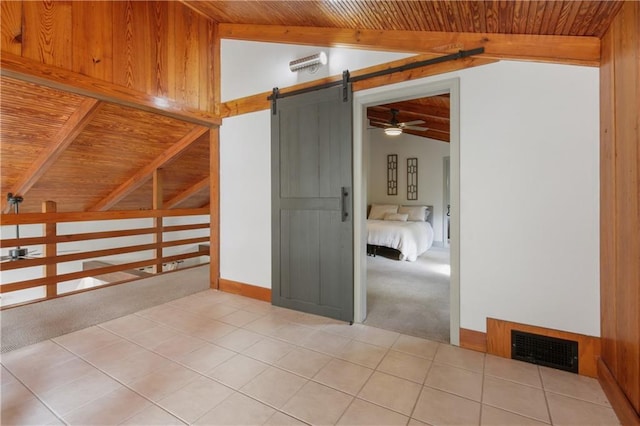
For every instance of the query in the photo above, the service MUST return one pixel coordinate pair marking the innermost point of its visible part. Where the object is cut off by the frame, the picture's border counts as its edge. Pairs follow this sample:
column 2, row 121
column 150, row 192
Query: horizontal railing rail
column 51, row 241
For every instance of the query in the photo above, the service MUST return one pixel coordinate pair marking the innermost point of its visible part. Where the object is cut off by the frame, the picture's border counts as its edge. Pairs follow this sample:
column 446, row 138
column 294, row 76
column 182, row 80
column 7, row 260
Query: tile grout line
column 415, row 404
column 484, row 369
column 35, row 395
column 122, row 384
column 544, row 393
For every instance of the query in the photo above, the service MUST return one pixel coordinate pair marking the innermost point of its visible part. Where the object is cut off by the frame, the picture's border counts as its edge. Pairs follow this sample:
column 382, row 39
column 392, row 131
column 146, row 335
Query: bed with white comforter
column 411, row 239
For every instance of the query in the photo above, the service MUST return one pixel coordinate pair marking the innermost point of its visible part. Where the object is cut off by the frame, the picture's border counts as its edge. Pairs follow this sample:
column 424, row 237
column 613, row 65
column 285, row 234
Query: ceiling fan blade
column 379, row 123
column 422, row 129
column 3, row 258
column 411, row 123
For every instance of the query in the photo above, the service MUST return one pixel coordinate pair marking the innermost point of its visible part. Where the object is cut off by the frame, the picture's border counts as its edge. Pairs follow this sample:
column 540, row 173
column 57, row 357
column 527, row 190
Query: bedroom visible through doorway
column 407, row 231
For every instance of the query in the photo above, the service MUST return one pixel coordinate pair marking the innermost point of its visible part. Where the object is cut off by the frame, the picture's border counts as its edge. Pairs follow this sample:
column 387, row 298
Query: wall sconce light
column 392, row 131
column 311, row 63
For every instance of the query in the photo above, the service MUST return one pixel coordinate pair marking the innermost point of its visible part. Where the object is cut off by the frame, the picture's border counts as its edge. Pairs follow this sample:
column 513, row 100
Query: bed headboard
column 430, row 207
column 430, row 218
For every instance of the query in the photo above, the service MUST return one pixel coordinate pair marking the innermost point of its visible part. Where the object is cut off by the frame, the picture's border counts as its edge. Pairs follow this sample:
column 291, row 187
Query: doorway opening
column 418, row 297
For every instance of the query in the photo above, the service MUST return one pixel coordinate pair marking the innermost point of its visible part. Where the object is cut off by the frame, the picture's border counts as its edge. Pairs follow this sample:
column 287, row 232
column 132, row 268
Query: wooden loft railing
column 50, row 239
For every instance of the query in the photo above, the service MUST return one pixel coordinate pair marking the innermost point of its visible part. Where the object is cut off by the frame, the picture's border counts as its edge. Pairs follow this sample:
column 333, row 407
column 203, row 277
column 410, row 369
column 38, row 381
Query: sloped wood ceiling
column 113, row 146
column 433, row 111
column 575, row 18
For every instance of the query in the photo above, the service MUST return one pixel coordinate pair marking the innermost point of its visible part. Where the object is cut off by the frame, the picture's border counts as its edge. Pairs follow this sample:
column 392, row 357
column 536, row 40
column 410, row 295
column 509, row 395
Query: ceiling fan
column 394, row 128
column 17, row 253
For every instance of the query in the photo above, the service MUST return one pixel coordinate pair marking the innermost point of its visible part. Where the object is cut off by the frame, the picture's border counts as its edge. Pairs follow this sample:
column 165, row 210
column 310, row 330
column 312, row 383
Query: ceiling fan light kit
column 392, row 131
column 394, row 128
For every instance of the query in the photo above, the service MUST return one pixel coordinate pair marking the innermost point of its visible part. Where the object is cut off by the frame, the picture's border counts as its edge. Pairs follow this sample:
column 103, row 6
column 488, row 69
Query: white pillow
column 396, row 216
column 416, row 213
column 379, row 210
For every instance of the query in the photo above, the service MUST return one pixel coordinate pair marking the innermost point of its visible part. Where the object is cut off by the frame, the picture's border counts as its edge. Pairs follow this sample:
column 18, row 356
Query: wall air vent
column 543, row 350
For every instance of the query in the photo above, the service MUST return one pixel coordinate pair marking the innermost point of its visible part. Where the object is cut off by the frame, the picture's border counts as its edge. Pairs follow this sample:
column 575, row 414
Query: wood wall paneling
column 11, row 28
column 621, row 405
column 620, row 200
column 627, row 82
column 47, row 32
column 499, row 342
column 133, row 32
column 608, row 217
column 93, row 38
column 156, row 47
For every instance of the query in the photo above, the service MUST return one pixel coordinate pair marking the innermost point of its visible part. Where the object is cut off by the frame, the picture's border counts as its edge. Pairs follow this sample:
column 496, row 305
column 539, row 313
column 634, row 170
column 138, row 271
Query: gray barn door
column 312, row 253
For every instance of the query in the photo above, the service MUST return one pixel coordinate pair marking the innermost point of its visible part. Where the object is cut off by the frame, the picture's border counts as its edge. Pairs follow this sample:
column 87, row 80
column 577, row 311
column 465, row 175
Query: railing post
column 214, row 207
column 50, row 231
column 158, row 191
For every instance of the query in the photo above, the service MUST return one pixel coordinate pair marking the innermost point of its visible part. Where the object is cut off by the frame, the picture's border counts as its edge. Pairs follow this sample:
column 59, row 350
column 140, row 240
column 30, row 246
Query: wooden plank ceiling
column 434, row 112
column 98, row 156
column 572, row 18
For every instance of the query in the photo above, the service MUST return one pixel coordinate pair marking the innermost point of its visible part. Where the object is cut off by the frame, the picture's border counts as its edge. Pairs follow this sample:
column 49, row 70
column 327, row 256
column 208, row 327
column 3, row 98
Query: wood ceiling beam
column 260, row 102
column 74, row 125
column 540, row 48
column 416, row 108
column 187, row 193
column 142, row 175
column 58, row 78
column 433, row 125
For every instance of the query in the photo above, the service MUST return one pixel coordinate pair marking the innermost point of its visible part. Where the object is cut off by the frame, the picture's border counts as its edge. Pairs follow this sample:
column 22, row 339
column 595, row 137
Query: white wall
column 245, row 148
column 529, row 192
column 530, row 196
column 430, row 154
column 249, row 68
column 245, row 199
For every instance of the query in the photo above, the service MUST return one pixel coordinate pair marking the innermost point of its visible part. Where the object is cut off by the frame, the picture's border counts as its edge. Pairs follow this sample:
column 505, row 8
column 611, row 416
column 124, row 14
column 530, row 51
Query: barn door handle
column 345, row 203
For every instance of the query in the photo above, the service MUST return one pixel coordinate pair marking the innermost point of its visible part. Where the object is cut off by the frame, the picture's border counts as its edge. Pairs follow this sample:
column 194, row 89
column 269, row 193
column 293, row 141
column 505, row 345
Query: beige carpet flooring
column 410, row 297
column 25, row 325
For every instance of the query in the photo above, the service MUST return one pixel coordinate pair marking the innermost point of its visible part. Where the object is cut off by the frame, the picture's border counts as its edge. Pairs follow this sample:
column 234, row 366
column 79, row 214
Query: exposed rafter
column 144, row 174
column 58, row 78
column 187, row 193
column 67, row 134
column 542, row 48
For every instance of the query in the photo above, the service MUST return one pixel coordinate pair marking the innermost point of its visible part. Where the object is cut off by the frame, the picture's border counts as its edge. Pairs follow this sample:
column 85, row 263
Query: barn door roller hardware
column 347, row 78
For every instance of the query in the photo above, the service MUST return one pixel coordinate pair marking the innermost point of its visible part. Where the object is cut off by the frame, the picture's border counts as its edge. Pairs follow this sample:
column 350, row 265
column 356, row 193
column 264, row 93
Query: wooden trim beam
column 187, row 193
column 474, row 340
column 523, row 47
column 260, row 102
column 214, row 208
column 158, row 192
column 619, row 401
column 140, row 177
column 74, row 125
column 58, row 78
column 50, row 250
column 38, row 218
column 55, row 259
column 247, row 290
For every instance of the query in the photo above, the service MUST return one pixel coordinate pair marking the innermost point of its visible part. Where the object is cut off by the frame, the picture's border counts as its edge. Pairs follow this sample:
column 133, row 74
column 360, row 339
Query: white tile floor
column 218, row 358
